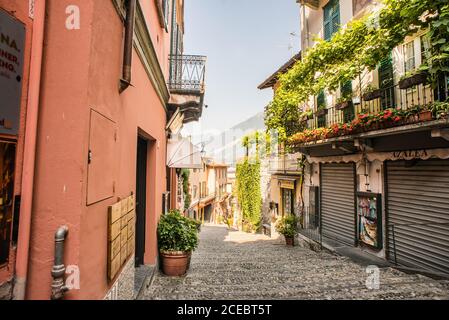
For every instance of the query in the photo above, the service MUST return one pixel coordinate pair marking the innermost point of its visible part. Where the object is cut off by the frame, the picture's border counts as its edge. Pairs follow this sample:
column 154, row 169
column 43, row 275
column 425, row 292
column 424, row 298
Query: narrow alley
column 236, row 265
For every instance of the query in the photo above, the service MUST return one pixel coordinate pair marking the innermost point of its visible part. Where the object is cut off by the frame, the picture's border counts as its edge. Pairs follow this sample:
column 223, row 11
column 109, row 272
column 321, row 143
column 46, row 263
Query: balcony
column 287, row 164
column 406, row 112
column 187, row 85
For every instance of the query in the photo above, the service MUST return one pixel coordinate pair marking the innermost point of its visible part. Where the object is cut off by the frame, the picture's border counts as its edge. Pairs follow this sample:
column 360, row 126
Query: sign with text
column 12, row 47
column 287, row 184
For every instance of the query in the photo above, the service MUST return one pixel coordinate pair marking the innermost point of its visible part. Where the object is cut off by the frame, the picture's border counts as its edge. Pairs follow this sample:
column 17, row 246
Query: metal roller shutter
column 337, row 202
column 418, row 208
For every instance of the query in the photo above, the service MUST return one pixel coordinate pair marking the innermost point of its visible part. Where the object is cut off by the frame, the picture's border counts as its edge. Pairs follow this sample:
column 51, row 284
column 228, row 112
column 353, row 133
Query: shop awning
column 182, row 154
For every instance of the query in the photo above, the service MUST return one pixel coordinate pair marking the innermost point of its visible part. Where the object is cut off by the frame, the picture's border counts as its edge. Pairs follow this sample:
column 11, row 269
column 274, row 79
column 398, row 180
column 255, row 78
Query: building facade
column 208, row 189
column 85, row 141
column 382, row 190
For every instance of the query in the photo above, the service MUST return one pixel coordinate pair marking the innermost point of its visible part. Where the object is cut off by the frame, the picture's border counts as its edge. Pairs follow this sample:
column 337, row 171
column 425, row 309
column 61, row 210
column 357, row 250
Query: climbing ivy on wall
column 185, row 188
column 248, row 193
column 360, row 46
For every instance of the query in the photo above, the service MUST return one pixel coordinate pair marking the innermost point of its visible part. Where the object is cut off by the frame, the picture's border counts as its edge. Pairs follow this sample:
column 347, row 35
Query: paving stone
column 231, row 265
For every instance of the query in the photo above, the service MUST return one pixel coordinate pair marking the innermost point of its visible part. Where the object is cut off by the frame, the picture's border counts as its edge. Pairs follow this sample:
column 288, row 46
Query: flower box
column 321, row 112
column 413, row 80
column 375, row 94
column 425, row 115
column 342, row 105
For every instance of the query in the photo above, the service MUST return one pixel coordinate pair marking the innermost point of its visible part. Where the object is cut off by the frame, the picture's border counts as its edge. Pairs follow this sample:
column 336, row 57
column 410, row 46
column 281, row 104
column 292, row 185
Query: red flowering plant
column 335, row 130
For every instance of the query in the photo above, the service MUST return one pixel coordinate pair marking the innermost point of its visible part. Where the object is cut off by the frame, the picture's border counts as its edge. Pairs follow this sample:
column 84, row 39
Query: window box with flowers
column 412, row 79
column 322, row 111
column 371, row 93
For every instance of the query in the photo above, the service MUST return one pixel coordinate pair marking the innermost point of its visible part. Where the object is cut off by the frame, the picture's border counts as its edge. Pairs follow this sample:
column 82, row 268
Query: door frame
column 141, row 199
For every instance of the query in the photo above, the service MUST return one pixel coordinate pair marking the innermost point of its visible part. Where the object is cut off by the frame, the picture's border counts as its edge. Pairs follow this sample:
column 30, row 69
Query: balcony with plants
column 409, row 104
column 417, row 100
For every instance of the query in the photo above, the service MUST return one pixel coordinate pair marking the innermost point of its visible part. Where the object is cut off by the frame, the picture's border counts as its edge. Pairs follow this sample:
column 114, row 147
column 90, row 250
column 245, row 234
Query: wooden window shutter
column 331, row 19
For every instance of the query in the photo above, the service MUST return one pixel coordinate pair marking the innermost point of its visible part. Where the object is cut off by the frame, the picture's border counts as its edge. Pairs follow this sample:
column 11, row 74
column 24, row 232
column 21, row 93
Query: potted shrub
column 371, row 93
column 177, row 238
column 411, row 79
column 288, row 227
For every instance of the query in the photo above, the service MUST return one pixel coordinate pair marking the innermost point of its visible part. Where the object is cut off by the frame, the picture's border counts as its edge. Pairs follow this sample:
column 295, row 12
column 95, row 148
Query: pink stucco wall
column 81, row 72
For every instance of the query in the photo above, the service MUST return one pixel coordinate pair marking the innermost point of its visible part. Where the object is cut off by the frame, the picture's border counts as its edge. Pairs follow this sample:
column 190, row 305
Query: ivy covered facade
column 367, row 107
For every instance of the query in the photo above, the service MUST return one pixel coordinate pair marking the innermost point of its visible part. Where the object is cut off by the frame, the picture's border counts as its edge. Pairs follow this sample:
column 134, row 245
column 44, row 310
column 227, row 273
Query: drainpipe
column 125, row 82
column 58, row 271
column 23, row 243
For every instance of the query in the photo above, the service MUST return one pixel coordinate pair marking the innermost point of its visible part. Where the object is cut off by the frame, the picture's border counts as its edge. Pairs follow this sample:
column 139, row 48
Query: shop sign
column 369, row 217
column 12, row 45
column 121, row 234
column 410, row 155
column 284, row 184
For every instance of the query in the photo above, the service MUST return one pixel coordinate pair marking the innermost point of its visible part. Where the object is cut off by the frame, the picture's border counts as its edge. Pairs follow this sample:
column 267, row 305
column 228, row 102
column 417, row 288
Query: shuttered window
column 386, row 82
column 331, row 19
column 346, row 91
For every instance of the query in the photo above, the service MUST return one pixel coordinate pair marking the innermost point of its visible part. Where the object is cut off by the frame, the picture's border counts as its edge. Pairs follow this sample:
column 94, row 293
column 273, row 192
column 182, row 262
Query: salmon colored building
column 103, row 89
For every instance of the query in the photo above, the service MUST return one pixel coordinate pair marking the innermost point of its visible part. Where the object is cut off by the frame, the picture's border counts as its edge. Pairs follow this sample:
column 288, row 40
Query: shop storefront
column 417, row 205
column 337, row 202
column 393, row 205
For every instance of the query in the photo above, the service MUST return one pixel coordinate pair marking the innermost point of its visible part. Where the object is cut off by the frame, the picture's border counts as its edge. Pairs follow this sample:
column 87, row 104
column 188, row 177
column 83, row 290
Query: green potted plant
column 288, row 227
column 177, row 238
column 425, row 114
column 371, row 92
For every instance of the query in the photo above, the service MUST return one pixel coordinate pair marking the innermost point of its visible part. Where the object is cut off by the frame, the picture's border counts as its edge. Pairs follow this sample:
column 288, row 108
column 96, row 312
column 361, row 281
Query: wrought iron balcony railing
column 187, row 74
column 385, row 98
column 283, row 164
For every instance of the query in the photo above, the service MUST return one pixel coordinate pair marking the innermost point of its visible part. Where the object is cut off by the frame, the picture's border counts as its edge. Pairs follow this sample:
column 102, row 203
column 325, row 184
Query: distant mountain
column 227, row 146
column 254, row 123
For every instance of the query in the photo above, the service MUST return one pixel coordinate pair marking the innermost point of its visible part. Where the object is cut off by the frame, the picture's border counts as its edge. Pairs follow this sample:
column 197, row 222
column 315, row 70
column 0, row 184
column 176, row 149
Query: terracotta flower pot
column 175, row 264
column 425, row 116
column 290, row 241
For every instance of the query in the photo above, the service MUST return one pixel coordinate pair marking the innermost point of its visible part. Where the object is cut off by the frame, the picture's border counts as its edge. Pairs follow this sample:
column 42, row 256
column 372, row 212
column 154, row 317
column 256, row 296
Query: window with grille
column 331, row 19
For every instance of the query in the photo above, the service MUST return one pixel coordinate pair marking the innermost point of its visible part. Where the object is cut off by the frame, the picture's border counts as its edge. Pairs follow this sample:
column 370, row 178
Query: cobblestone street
column 236, row 265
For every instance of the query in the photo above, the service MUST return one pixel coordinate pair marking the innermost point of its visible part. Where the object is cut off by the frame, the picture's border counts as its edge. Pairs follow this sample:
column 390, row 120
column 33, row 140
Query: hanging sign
column 12, row 47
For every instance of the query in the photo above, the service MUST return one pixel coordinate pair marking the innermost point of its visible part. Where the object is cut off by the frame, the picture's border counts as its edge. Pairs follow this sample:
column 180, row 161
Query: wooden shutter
column 331, row 19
